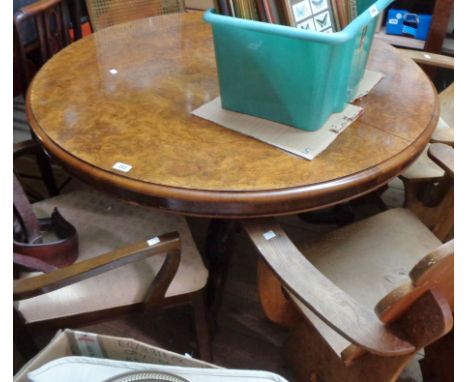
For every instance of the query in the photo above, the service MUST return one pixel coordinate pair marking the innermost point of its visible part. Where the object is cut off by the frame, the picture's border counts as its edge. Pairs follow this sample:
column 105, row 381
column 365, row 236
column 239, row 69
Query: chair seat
column 367, row 259
column 103, row 224
column 423, row 169
column 443, row 133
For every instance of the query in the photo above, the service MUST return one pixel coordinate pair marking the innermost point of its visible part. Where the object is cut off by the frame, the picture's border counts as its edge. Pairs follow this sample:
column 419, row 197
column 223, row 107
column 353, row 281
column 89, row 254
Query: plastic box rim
column 348, row 33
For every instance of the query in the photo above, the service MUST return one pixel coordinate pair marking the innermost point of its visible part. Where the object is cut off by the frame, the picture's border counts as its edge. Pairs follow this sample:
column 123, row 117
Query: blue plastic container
column 291, row 75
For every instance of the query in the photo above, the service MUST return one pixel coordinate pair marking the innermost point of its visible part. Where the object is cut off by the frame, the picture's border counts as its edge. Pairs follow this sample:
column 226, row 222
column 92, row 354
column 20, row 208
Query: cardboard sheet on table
column 369, row 80
column 303, row 143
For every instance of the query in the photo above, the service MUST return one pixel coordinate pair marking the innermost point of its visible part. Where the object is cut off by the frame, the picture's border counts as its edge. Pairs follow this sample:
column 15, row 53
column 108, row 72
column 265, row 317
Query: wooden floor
column 245, row 339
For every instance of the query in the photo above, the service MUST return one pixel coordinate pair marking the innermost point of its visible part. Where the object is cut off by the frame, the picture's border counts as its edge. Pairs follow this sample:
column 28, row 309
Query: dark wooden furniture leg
column 218, row 251
column 47, row 174
column 201, row 328
column 22, row 339
column 75, row 15
column 33, row 147
column 437, row 364
column 441, row 17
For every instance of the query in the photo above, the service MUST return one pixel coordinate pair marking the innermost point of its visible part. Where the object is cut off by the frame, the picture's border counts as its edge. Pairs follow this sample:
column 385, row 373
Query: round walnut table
column 125, row 93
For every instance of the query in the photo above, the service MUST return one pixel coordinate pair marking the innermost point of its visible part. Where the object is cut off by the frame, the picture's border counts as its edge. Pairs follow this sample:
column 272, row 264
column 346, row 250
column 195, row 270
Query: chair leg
column 276, row 306
column 201, row 328
column 437, row 363
column 22, row 339
column 47, row 174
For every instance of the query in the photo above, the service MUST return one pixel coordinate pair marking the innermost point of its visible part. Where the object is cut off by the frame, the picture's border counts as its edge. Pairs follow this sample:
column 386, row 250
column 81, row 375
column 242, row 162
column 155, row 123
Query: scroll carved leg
column 218, row 252
column 276, row 306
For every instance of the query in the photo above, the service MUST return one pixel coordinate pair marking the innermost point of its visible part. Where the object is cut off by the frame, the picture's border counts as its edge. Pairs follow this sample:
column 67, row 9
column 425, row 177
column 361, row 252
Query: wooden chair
column 29, row 160
column 370, row 295
column 118, row 270
column 28, row 56
column 423, row 178
column 51, row 31
column 444, row 130
column 105, row 13
column 433, row 201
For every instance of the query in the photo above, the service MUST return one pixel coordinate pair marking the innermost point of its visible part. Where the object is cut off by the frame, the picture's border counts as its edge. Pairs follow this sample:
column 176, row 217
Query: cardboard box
column 402, row 22
column 71, row 342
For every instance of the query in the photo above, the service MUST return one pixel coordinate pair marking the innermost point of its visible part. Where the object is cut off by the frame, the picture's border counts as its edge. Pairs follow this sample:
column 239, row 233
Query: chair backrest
column 434, row 272
column 105, row 13
column 423, row 307
column 51, row 31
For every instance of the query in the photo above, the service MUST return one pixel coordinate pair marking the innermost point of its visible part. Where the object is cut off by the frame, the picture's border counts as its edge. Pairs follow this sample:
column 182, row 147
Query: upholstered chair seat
column 103, row 224
column 369, row 247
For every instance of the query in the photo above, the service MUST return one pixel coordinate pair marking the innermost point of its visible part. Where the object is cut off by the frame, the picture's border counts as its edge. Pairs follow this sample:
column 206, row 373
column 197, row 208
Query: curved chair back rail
column 105, row 13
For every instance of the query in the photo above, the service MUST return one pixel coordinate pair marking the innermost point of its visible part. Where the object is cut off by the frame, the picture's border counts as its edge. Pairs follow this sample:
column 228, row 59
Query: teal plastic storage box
column 291, row 75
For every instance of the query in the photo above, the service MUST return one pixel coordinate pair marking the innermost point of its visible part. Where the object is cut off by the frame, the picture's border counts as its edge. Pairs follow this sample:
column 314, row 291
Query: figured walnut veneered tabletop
column 125, row 94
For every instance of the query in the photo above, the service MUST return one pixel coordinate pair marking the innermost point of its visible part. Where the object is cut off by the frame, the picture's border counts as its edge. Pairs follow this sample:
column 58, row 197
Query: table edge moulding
column 411, row 127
